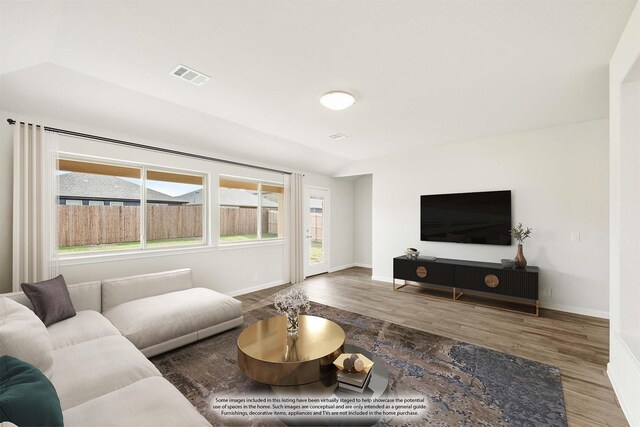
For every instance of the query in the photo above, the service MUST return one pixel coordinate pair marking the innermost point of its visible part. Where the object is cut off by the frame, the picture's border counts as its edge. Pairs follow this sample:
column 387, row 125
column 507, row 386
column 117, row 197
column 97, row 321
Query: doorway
column 317, row 229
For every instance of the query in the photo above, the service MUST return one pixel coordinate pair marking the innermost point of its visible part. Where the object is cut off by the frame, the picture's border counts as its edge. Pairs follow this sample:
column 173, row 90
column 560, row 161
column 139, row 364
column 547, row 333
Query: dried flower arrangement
column 290, row 304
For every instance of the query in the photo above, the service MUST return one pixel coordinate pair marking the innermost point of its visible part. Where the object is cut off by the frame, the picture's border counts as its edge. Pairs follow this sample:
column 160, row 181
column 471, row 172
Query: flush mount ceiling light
column 337, row 100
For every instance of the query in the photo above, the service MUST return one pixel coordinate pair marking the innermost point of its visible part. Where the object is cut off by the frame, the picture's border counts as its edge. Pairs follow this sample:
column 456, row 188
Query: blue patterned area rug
column 463, row 384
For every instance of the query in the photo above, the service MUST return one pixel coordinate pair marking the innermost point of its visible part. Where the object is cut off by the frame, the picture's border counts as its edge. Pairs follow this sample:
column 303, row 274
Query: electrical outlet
column 255, row 277
column 575, row 237
column 547, row 292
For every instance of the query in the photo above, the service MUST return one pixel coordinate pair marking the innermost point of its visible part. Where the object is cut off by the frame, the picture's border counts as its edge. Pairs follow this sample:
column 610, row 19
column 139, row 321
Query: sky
column 170, row 188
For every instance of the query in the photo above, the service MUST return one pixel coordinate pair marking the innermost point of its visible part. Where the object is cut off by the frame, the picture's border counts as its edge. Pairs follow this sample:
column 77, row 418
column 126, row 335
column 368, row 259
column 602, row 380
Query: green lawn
column 316, row 247
column 130, row 245
column 246, row 237
column 316, row 253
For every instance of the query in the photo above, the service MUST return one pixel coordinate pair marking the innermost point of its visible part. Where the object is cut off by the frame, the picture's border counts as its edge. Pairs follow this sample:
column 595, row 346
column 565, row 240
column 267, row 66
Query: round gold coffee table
column 268, row 354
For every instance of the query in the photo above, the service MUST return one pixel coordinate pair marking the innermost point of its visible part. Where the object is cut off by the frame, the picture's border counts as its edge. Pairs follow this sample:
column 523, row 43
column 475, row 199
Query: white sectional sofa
column 100, row 376
column 161, row 311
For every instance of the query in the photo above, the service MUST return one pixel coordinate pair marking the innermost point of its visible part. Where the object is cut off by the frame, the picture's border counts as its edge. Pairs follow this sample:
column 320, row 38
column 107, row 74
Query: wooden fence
column 173, row 222
column 99, row 225
column 235, row 221
column 315, row 226
column 270, row 223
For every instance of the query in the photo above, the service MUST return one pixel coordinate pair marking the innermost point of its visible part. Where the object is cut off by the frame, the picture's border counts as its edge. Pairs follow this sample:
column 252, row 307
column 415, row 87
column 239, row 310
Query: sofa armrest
column 125, row 289
column 84, row 296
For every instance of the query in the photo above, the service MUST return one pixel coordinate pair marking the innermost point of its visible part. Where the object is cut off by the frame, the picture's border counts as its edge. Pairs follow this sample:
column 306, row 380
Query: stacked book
column 354, row 372
column 353, row 381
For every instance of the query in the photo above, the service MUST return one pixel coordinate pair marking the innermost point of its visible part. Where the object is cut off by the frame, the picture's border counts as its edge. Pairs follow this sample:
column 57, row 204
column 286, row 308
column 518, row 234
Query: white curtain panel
column 297, row 228
column 34, row 204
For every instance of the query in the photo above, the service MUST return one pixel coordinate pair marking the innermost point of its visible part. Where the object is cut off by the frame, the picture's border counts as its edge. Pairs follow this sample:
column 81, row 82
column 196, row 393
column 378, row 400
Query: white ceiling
column 424, row 72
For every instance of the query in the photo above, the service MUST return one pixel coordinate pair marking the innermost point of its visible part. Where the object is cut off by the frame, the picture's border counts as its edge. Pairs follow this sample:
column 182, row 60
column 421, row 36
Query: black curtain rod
column 152, row 148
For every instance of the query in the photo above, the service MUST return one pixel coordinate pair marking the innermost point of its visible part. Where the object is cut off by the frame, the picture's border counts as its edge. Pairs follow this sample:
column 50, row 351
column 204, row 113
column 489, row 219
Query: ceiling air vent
column 337, row 136
column 190, row 75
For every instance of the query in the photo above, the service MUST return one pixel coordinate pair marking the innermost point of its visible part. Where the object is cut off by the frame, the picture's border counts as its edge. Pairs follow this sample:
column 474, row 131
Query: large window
column 106, row 207
column 250, row 210
column 178, row 218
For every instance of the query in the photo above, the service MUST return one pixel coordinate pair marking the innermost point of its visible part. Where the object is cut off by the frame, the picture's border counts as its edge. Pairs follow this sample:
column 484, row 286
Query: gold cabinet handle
column 421, row 272
column 491, row 280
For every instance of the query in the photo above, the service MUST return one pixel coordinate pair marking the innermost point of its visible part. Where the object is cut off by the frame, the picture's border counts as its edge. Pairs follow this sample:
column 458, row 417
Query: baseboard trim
column 341, row 267
column 359, row 264
column 255, row 288
column 382, row 279
column 625, row 378
column 575, row 310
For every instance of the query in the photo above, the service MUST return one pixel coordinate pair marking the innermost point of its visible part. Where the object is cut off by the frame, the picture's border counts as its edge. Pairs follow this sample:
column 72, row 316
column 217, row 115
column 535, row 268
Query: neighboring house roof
column 93, row 186
column 231, row 197
column 193, row 197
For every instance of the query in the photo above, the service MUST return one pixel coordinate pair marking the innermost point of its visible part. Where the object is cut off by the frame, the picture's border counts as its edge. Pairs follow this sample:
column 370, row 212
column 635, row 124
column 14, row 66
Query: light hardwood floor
column 578, row 345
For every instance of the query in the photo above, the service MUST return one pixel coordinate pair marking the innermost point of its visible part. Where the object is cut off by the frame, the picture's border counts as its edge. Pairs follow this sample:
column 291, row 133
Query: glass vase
column 292, row 321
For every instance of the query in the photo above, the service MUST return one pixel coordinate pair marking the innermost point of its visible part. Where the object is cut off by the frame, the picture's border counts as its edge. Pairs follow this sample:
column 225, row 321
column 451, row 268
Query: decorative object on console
column 508, row 262
column 520, row 233
column 290, row 304
column 412, row 253
column 520, row 260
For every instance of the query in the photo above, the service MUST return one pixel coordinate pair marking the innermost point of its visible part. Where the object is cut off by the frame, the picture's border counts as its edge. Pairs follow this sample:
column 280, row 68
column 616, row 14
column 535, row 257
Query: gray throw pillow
column 50, row 299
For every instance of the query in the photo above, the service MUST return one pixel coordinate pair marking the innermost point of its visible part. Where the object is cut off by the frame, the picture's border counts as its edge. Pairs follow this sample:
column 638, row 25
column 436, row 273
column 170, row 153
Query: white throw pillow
column 24, row 336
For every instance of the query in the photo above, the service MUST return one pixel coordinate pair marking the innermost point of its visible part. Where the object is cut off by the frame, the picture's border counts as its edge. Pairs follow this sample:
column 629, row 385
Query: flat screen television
column 482, row 218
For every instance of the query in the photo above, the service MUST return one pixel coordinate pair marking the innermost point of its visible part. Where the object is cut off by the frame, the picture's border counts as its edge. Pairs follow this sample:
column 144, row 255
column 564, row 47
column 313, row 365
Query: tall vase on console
column 519, row 233
column 520, row 260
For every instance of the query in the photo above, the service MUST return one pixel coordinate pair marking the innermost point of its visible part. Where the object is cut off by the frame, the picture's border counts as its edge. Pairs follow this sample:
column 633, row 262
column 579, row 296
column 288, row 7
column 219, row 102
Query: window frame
column 259, row 241
column 142, row 251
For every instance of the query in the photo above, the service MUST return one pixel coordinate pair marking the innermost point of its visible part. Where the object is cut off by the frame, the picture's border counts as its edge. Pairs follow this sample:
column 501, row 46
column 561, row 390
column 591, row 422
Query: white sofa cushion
column 24, row 336
column 150, row 321
column 84, row 326
column 124, row 289
column 86, row 296
column 93, row 368
column 149, row 402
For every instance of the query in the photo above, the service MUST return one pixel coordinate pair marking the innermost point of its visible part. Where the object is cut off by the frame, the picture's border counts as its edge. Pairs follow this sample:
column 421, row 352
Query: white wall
column 559, row 182
column 624, row 359
column 230, row 270
column 363, row 250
